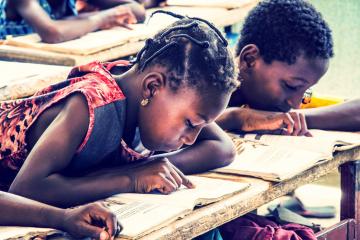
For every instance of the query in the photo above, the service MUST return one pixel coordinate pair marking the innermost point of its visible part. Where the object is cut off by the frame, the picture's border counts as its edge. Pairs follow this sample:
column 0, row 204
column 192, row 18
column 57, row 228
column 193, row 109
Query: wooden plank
column 344, row 230
column 90, row 43
column 24, row 79
column 13, row 53
column 350, row 201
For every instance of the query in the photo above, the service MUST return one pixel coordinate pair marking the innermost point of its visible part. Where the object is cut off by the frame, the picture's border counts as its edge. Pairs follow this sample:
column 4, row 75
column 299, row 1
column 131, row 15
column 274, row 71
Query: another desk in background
column 24, row 79
column 261, row 192
column 109, row 43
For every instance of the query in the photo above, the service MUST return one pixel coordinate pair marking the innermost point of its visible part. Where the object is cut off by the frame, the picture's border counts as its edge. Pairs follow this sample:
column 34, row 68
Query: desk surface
column 24, row 79
column 219, row 16
column 260, row 192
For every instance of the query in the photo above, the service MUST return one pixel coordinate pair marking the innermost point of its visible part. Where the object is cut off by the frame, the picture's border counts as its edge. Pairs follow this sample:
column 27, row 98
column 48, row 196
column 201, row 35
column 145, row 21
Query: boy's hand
column 159, row 175
column 117, row 16
column 291, row 123
column 92, row 220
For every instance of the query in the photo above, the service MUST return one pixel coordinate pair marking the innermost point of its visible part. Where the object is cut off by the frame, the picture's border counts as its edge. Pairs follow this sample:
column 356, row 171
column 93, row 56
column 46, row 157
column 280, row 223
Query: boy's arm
column 251, row 120
column 19, row 211
column 212, row 149
column 54, row 31
column 342, row 117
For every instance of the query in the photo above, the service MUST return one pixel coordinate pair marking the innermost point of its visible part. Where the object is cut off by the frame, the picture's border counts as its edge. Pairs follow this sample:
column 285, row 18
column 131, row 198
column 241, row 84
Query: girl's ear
column 152, row 83
column 248, row 56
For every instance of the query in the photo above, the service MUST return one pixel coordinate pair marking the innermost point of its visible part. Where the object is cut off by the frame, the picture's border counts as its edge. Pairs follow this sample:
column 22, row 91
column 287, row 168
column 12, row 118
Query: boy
column 284, row 49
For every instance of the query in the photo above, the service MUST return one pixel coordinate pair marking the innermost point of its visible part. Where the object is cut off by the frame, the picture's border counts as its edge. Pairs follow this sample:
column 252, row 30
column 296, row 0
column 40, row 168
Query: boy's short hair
column 284, row 29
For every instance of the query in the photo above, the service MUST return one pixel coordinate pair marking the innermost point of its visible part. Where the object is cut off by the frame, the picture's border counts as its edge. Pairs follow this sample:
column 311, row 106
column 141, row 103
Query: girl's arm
column 212, row 149
column 40, row 177
column 55, row 31
column 79, row 222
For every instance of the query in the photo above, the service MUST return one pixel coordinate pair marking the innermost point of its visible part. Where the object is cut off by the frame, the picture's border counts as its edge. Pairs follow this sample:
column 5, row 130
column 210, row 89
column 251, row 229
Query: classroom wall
column 343, row 77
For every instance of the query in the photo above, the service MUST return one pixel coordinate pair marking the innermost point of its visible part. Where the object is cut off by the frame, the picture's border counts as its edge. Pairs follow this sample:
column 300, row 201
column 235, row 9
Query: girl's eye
column 189, row 124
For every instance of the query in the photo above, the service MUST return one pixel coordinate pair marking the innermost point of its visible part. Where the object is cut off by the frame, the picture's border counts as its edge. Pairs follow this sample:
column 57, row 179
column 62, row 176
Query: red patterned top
column 93, row 80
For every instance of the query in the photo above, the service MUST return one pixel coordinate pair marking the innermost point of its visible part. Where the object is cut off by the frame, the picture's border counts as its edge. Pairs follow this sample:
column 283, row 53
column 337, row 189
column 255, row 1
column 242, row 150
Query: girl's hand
column 159, row 175
column 92, row 220
column 117, row 16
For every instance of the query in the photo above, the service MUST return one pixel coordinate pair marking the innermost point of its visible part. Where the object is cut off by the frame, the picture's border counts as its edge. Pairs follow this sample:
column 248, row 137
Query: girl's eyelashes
column 189, row 124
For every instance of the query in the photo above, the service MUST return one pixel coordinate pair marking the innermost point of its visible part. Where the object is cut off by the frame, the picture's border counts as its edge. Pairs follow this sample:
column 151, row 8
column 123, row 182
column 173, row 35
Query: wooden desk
column 219, row 16
column 261, row 192
column 24, row 79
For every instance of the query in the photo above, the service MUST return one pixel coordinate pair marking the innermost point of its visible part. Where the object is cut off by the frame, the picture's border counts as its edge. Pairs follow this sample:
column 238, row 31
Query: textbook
column 141, row 214
column 209, row 3
column 277, row 157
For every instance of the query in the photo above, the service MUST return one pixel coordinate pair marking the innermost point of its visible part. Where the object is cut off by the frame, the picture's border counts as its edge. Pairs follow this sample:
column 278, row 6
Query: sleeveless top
column 107, row 108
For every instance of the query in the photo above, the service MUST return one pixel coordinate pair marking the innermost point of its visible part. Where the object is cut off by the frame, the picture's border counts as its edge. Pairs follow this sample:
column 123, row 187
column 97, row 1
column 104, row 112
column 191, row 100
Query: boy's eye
column 290, row 87
column 189, row 124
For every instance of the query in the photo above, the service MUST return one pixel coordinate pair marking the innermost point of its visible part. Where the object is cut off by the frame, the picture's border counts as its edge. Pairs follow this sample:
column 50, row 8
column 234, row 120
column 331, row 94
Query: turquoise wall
column 343, row 77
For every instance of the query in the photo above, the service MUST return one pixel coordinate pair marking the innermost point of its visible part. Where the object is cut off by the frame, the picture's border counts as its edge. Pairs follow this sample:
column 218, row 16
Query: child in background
column 73, row 142
column 92, row 220
column 59, row 21
column 152, row 3
column 277, row 65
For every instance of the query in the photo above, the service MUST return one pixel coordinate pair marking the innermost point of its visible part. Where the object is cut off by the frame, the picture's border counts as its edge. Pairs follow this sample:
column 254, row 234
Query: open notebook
column 277, row 158
column 141, row 214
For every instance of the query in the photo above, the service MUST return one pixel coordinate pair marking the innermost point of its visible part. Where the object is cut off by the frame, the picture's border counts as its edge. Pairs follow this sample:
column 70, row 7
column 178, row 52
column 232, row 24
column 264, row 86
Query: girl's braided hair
column 194, row 52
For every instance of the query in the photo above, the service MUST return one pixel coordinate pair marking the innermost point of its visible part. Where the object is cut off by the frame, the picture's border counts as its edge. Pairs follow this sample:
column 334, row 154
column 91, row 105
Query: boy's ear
column 152, row 83
column 248, row 56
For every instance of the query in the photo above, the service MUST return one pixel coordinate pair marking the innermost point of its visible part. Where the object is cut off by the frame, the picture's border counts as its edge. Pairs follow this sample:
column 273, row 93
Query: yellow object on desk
column 313, row 100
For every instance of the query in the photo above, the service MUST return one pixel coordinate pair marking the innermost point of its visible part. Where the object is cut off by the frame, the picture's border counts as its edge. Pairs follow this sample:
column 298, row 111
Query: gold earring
column 144, row 102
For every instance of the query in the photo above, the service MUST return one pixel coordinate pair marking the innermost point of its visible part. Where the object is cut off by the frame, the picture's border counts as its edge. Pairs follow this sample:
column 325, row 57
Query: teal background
column 343, row 76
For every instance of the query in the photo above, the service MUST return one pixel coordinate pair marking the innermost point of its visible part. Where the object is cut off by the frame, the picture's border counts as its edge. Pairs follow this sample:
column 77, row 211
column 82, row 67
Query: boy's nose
column 190, row 138
column 295, row 100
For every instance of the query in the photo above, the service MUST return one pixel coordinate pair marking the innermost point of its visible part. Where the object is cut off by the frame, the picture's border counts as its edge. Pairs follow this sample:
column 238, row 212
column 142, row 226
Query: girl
column 181, row 81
